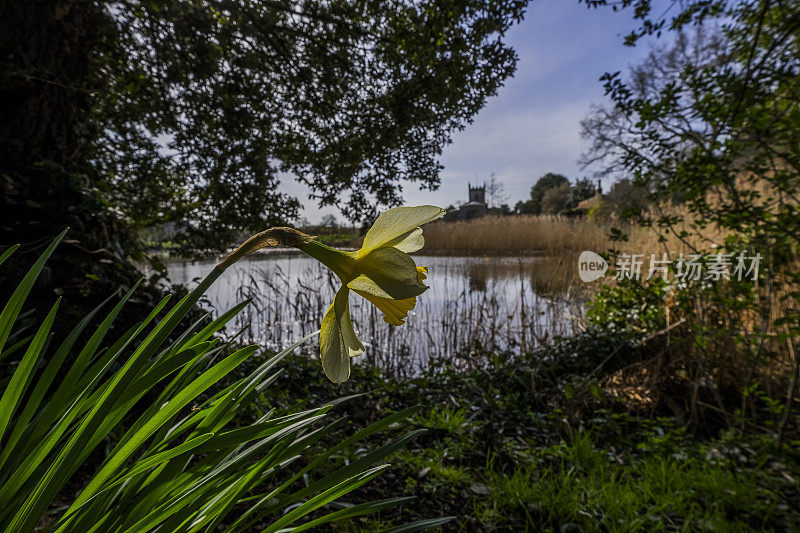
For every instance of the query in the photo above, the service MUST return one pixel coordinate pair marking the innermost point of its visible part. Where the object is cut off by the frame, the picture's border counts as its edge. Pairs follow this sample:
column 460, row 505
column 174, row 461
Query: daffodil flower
column 381, row 271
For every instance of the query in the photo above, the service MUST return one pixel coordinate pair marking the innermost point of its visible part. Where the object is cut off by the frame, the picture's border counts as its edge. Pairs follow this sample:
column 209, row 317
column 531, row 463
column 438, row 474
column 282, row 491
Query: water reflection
column 477, row 274
column 474, row 305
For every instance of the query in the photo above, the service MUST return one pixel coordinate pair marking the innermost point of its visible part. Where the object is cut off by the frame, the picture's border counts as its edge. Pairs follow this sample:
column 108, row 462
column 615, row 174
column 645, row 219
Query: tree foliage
column 716, row 118
column 555, row 199
column 677, row 14
column 211, row 106
column 533, row 206
column 625, row 199
column 583, row 189
column 553, row 194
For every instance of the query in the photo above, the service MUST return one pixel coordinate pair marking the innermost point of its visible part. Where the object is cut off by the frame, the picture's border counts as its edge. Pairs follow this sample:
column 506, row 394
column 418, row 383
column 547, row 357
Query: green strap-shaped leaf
column 219, row 470
column 14, row 348
column 355, row 466
column 360, row 463
column 77, row 379
column 348, row 485
column 46, row 437
column 351, row 512
column 7, row 253
column 19, row 381
column 421, row 525
column 266, row 506
column 62, row 465
column 140, row 466
column 15, row 303
column 43, row 385
column 216, row 325
column 241, row 391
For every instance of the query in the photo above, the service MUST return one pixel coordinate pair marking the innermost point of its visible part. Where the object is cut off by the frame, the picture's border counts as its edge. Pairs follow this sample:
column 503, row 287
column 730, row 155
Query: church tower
column 477, row 194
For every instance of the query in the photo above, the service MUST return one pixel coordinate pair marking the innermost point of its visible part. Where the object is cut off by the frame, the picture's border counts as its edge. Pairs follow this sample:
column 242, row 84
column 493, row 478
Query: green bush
column 630, row 306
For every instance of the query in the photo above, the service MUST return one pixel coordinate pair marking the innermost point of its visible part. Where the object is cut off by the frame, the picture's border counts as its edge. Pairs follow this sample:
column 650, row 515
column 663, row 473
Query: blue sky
column 532, row 126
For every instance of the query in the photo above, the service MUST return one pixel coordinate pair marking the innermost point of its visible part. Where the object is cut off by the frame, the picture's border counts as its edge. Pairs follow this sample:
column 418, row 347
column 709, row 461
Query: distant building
column 594, row 201
column 476, row 206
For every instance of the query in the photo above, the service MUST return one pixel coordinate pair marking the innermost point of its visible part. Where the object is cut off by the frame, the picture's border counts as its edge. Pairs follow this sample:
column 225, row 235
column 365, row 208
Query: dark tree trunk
column 48, row 53
column 47, row 49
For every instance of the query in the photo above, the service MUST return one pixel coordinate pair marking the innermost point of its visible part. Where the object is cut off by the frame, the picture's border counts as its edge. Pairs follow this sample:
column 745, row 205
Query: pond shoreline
column 164, row 255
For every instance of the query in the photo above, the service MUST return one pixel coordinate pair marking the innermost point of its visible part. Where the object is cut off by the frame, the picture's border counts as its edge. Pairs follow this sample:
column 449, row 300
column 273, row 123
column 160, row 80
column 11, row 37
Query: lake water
column 474, row 306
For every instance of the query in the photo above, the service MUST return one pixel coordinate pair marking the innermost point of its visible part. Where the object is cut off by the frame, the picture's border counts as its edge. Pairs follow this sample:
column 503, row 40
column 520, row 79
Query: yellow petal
column 337, row 339
column 422, row 274
column 396, row 222
column 394, row 311
column 392, row 271
column 364, row 284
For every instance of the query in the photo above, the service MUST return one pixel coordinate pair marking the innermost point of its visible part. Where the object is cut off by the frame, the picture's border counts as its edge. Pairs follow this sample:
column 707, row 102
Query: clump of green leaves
column 630, row 307
column 169, row 457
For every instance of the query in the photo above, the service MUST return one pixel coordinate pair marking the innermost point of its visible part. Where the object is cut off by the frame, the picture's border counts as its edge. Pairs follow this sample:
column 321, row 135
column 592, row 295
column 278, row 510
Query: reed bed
column 547, row 234
column 512, row 235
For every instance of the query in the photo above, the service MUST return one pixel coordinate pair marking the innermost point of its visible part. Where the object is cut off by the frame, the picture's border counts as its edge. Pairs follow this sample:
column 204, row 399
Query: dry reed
column 546, row 234
column 496, row 235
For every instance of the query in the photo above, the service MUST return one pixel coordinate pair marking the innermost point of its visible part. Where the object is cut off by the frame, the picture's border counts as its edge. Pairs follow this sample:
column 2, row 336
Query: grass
column 444, row 418
column 586, row 485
